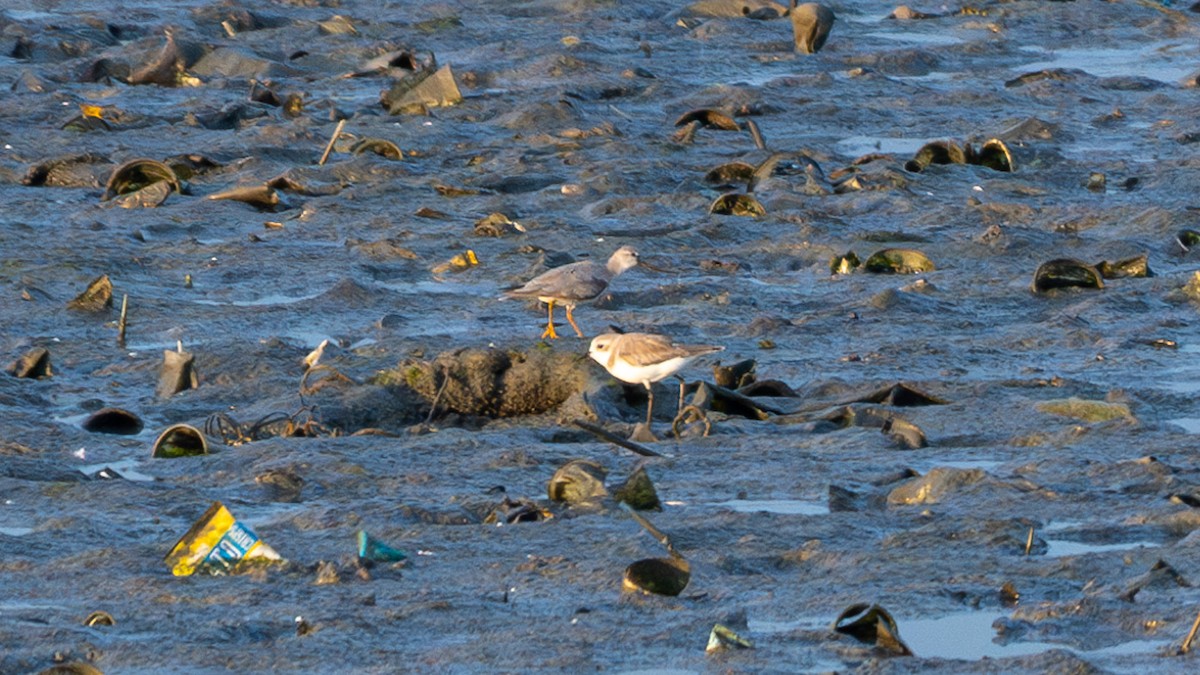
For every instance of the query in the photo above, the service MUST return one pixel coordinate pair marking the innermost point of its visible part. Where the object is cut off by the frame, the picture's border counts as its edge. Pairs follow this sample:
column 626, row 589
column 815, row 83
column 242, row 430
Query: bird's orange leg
column 573, row 324
column 549, row 332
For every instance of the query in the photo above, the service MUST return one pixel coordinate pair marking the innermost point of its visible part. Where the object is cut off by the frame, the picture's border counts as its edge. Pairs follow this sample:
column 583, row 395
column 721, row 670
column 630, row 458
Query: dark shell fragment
column 137, row 174
column 738, row 204
column 578, row 481
column 1065, row 273
column 33, row 364
column 873, row 625
column 1137, row 266
column 382, row 147
column 113, row 421
column 708, row 118
column 658, row 576
column 898, row 261
column 180, row 440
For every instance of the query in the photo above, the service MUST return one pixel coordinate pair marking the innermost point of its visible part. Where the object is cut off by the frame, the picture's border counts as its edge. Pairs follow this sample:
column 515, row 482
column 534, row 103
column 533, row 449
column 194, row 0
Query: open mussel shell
column 936, row 152
column 577, row 481
column 99, row 618
column 180, row 440
column 994, row 154
column 732, row 173
column 1065, row 273
column 737, row 204
column 113, row 421
column 658, row 576
column 873, row 625
column 137, row 174
column 1137, row 266
column 899, row 261
column 382, row 147
column 707, row 117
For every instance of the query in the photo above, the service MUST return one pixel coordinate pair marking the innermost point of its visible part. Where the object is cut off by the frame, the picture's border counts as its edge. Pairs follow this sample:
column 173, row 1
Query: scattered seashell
column 137, row 174
column 709, row 119
column 99, row 618
column 722, row 637
column 180, row 440
column 993, row 154
column 898, row 261
column 422, row 90
column 1065, row 273
column 33, row 364
column 113, row 421
column 872, row 625
column 383, row 148
column 638, row 491
column 906, row 435
column 578, row 481
column 261, row 197
column 1137, row 266
column 844, row 264
column 730, row 174
column 738, row 204
column 97, row 297
column 936, row 152
column 658, row 576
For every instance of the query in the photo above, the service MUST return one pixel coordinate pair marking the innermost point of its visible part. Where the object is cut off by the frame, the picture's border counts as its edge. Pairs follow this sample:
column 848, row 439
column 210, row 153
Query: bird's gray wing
column 577, row 281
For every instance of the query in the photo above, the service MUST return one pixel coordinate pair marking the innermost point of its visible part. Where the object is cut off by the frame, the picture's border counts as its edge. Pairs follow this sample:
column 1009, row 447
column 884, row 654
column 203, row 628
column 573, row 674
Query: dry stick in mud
column 332, row 139
column 1029, row 541
column 121, row 323
column 438, row 396
column 612, row 438
column 1187, row 642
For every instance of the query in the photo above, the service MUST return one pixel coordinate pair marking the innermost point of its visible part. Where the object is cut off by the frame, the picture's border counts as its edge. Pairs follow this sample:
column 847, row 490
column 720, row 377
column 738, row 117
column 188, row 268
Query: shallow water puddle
column 970, row 636
column 967, row 636
column 1060, row 548
column 126, row 467
column 983, row 464
column 1165, row 62
column 930, row 40
column 857, row 146
column 15, row 531
column 791, row 507
column 1189, row 424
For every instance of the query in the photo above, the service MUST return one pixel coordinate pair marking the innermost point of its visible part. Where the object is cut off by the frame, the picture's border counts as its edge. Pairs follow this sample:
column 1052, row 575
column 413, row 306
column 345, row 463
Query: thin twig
column 332, row 139
column 1187, row 642
column 1029, row 541
column 121, row 323
column 649, row 527
column 759, row 141
column 613, row 438
column 438, row 396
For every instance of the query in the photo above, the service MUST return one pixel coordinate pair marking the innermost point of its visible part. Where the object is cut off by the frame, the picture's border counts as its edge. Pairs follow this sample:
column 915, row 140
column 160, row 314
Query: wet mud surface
column 1071, row 412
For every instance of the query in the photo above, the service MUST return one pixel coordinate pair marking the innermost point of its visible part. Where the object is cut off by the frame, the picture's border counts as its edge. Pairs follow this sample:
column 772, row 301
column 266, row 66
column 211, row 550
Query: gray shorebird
column 572, row 284
column 644, row 358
